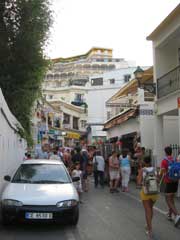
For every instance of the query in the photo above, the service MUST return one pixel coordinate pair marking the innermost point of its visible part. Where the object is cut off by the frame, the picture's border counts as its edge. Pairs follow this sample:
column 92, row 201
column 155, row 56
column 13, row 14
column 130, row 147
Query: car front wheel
column 75, row 218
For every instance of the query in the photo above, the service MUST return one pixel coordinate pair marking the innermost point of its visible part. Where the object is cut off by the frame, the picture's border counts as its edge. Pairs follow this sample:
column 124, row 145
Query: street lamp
column 150, row 87
column 139, row 75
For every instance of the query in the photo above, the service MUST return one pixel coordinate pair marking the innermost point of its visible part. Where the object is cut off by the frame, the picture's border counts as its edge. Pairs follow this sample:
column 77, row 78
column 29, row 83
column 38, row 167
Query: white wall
column 96, row 101
column 171, row 130
column 11, row 148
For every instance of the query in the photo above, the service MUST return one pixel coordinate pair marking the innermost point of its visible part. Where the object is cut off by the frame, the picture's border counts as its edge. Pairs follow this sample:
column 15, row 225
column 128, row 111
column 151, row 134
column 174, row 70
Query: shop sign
column 73, row 135
column 147, row 112
column 51, row 131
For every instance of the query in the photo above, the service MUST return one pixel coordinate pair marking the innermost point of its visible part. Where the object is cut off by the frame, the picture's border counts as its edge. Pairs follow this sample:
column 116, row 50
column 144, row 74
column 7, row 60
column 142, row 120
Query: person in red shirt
column 171, row 186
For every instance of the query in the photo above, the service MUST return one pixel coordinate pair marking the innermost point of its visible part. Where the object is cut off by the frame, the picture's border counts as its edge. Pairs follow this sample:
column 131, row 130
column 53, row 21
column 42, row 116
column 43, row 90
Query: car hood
column 40, row 194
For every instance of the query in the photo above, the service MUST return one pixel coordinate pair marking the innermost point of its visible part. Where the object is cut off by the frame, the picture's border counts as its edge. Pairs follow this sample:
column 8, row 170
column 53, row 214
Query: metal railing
column 175, row 150
column 168, row 83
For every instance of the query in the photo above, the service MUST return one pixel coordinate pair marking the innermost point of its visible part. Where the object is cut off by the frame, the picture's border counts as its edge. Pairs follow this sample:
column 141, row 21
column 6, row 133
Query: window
column 50, row 96
column 79, row 97
column 56, row 76
column 108, row 115
column 127, row 77
column 49, row 77
column 112, row 81
column 97, row 82
column 66, row 119
column 83, row 123
column 41, row 173
column 75, row 123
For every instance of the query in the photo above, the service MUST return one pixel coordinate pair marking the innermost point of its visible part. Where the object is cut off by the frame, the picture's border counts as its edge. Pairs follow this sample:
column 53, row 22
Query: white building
column 76, row 70
column 71, row 94
column 131, row 114
column 57, row 122
column 88, row 80
column 166, row 57
column 101, row 88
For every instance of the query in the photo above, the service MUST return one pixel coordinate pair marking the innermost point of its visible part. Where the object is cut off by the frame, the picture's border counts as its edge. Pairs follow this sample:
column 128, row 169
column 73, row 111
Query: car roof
column 42, row 161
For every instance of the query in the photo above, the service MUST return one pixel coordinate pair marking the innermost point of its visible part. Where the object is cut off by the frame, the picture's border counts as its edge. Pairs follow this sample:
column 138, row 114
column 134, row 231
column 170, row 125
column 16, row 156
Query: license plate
column 30, row 215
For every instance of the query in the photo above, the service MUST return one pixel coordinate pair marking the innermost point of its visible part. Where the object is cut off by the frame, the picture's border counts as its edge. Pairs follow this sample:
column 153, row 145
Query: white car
column 40, row 190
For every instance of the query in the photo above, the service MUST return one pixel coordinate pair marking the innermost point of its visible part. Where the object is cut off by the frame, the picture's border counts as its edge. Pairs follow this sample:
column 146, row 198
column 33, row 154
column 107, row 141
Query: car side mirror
column 7, row 178
column 75, row 179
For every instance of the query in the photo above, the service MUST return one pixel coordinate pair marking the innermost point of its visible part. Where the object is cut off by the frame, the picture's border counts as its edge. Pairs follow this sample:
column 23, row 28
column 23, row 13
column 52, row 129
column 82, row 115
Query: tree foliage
column 24, row 31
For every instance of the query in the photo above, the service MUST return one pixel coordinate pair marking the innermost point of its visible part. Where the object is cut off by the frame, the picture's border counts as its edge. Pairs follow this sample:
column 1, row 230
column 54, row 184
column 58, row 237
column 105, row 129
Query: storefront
column 71, row 139
column 127, row 141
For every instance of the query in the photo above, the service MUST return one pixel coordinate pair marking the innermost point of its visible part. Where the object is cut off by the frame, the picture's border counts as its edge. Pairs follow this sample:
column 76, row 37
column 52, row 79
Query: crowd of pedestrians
column 116, row 171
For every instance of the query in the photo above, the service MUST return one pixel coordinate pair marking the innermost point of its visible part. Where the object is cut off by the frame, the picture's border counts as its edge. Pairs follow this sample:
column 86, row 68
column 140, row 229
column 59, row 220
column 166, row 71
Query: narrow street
column 103, row 216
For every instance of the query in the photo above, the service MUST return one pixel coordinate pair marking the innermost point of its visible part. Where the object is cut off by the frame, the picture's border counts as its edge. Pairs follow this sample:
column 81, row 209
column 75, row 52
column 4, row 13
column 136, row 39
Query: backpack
column 150, row 184
column 173, row 170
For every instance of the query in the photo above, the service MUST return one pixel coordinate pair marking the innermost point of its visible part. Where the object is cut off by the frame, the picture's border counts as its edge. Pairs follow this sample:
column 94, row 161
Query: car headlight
column 10, row 202
column 67, row 203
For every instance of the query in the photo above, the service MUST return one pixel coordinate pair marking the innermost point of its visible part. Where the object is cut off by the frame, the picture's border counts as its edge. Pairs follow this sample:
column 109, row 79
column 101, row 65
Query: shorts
column 78, row 187
column 145, row 197
column 114, row 175
column 171, row 187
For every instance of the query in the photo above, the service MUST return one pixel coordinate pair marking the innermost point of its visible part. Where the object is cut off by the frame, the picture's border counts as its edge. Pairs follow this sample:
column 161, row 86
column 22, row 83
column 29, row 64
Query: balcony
column 169, row 83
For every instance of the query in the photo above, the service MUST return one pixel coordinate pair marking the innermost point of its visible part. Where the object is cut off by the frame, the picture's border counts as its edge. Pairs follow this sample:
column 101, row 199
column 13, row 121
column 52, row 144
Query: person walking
column 147, row 198
column 114, row 172
column 171, row 187
column 78, row 185
column 84, row 169
column 125, row 167
column 99, row 162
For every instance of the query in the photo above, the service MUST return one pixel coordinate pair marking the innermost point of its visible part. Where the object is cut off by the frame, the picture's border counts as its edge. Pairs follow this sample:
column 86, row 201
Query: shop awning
column 123, row 117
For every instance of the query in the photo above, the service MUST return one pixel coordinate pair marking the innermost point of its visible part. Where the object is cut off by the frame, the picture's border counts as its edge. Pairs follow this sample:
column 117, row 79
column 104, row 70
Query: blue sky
column 119, row 24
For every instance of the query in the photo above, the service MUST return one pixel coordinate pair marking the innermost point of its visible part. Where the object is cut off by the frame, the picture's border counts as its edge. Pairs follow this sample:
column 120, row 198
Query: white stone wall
column 11, row 147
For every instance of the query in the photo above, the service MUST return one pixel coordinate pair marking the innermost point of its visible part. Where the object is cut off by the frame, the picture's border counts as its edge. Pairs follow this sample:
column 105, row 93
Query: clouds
column 119, row 24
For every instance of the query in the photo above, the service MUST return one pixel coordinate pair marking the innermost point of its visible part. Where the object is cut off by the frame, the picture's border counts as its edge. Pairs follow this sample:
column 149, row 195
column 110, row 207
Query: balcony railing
column 168, row 83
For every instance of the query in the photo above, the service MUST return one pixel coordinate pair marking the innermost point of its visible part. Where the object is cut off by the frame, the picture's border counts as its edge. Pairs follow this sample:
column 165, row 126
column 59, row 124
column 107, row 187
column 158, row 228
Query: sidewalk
column 160, row 204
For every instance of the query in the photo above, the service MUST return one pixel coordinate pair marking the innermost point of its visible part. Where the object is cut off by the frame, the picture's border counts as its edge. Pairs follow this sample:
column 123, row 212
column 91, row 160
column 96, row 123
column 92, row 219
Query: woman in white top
column 99, row 162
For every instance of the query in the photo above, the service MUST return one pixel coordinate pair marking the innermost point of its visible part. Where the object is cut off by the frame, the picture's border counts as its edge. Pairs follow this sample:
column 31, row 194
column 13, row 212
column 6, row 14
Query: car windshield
column 41, row 174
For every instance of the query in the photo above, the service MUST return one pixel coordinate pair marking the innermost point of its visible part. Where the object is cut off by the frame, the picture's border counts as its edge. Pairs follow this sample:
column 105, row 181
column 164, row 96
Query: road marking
column 137, row 199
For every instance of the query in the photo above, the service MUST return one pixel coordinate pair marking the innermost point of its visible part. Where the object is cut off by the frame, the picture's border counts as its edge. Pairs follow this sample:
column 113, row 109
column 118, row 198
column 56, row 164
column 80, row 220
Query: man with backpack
column 170, row 177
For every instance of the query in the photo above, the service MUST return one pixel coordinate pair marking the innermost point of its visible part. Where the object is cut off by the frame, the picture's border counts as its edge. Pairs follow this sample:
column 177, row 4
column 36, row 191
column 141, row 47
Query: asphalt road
column 103, row 216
